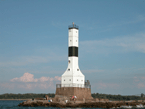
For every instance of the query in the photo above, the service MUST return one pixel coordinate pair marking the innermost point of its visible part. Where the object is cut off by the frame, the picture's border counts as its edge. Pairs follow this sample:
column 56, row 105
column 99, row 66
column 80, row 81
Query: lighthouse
column 73, row 81
column 73, row 76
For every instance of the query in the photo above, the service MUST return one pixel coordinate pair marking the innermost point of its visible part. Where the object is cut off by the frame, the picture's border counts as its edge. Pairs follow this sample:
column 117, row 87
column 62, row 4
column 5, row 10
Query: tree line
column 25, row 96
column 117, row 97
column 94, row 95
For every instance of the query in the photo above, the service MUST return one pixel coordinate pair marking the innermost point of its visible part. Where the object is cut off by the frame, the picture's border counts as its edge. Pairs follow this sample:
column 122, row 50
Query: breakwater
column 45, row 103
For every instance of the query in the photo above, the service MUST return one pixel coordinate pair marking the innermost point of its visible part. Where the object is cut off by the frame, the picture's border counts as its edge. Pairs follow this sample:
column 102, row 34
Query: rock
column 89, row 104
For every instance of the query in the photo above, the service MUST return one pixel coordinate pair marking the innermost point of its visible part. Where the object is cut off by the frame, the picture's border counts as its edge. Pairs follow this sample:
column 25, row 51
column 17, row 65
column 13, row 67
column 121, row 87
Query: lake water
column 14, row 105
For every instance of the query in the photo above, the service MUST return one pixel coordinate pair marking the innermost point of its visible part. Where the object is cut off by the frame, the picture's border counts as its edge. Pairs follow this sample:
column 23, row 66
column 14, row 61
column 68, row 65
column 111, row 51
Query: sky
column 34, row 44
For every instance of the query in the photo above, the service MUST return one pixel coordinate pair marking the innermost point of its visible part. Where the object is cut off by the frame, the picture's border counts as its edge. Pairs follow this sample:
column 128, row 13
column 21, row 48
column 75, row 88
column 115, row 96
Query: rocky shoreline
column 45, row 103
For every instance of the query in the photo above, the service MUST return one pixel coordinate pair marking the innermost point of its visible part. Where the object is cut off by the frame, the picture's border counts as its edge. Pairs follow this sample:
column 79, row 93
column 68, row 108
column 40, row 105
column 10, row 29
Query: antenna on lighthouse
column 73, row 24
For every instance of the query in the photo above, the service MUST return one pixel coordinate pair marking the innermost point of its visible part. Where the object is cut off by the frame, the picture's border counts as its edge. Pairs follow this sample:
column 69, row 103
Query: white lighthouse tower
column 73, row 77
column 73, row 81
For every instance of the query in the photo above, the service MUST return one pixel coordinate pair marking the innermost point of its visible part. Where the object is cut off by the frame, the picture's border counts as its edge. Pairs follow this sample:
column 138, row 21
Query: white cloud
column 28, row 82
column 27, row 77
column 134, row 43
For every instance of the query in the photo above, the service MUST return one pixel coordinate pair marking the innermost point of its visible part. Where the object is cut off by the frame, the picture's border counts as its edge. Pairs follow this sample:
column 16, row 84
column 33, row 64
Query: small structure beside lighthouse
column 73, row 81
column 73, row 77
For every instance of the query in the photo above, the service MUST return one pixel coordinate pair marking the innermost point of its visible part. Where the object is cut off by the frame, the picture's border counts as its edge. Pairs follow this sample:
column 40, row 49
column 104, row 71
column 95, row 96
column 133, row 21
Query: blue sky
column 34, row 44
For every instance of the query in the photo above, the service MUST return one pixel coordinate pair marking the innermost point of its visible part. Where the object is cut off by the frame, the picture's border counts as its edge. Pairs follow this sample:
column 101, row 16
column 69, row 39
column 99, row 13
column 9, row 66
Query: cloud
column 102, row 85
column 7, row 86
column 139, row 82
column 122, row 44
column 142, row 78
column 27, row 82
column 141, row 85
column 27, row 77
column 33, row 86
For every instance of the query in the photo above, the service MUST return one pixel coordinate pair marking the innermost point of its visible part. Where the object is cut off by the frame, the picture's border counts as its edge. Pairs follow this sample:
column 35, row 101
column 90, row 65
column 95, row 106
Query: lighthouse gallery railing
column 73, row 85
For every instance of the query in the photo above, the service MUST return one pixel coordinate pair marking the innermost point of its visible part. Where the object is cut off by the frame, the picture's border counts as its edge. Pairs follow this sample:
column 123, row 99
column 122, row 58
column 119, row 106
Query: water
column 13, row 104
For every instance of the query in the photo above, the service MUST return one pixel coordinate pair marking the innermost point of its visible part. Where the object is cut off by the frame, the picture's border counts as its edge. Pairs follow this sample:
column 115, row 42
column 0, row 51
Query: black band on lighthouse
column 73, row 51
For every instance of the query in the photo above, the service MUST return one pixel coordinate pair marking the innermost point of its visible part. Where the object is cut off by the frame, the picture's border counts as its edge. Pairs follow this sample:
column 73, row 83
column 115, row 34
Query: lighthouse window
column 77, row 69
column 64, row 79
column 70, row 40
column 69, row 79
column 76, row 40
column 68, row 69
column 77, row 79
column 68, row 61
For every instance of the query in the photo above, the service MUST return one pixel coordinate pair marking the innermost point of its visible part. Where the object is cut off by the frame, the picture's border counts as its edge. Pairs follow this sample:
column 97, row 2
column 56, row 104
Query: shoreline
column 77, row 104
